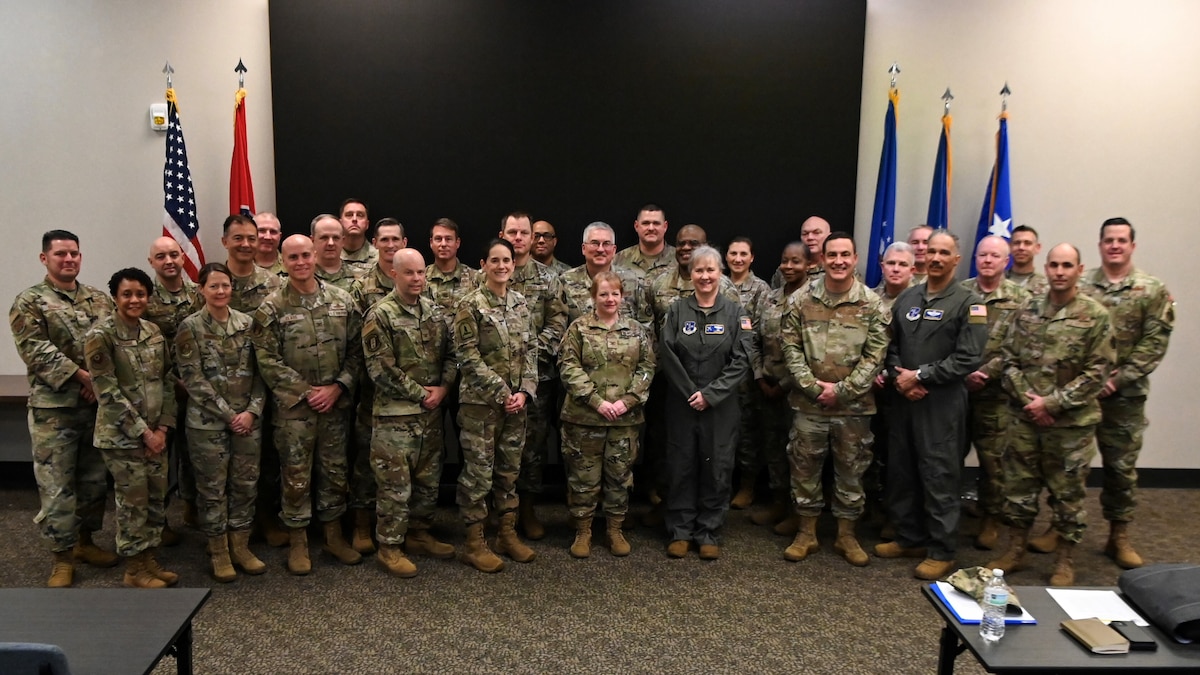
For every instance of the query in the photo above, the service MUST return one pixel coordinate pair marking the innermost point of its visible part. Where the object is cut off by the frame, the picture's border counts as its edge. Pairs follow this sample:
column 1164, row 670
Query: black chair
column 29, row 658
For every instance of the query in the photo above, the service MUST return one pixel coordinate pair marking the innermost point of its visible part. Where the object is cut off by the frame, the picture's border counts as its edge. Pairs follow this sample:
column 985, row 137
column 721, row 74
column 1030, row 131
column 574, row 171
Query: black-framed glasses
column 544, row 235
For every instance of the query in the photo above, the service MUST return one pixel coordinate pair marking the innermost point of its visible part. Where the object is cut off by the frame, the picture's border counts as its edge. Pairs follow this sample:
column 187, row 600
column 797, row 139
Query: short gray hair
column 598, row 225
column 312, row 227
column 706, row 251
column 899, row 247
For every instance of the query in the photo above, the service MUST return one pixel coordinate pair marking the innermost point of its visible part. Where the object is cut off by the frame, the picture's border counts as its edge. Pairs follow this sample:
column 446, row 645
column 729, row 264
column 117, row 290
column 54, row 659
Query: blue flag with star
column 883, row 219
column 996, row 216
column 939, row 191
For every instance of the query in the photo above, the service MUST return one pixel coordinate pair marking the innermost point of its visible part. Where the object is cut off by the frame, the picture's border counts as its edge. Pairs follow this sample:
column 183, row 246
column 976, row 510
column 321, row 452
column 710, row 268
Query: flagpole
column 883, row 227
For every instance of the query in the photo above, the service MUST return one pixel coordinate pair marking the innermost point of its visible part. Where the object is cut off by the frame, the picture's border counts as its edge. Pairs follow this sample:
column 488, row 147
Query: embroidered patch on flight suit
column 914, row 313
column 978, row 314
column 714, row 329
column 689, row 327
column 746, row 325
column 934, row 314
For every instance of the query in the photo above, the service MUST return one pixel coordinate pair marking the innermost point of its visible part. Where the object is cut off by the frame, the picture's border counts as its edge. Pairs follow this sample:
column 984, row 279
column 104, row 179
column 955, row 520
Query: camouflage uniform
column 497, row 357
column 303, row 341
column 167, row 310
column 601, row 363
column 841, row 339
column 990, row 415
column 367, row 290
column 556, row 266
column 548, row 314
column 775, row 414
column 641, row 264
column 705, row 350
column 217, row 364
column 812, row 273
column 750, row 397
column 361, row 260
column 1065, row 355
column 275, row 268
column 406, row 348
column 344, row 278
column 48, row 327
column 577, row 293
column 132, row 372
column 1143, row 316
column 249, row 292
column 1034, row 283
column 447, row 290
column 888, row 300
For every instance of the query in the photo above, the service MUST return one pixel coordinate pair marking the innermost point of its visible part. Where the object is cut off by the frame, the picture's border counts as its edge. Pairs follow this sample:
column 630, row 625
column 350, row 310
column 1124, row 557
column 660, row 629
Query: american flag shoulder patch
column 746, row 325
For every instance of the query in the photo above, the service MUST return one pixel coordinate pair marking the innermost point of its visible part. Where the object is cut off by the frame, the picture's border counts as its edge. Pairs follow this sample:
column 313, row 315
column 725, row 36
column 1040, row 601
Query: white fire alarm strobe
column 158, row 116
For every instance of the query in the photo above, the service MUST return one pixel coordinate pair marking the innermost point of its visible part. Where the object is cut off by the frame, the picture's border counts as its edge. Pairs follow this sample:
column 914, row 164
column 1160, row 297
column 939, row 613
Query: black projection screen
column 740, row 116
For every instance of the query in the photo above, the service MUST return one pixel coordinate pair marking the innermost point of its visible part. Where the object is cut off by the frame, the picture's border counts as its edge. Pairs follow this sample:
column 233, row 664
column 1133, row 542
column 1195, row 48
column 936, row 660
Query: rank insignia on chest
column 933, row 314
column 714, row 329
column 689, row 327
column 913, row 314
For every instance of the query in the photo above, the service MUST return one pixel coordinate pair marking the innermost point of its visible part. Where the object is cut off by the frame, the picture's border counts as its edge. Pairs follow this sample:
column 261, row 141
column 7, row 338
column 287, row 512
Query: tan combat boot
column 239, row 552
column 1046, row 542
column 420, row 542
column 62, row 575
column 530, row 525
column 476, row 552
column 1118, row 547
column 218, row 552
column 508, row 543
column 932, row 570
column 617, row 544
column 360, row 540
column 335, row 544
column 805, row 542
column 777, row 510
column 137, row 576
column 745, row 494
column 272, row 533
column 1018, row 538
column 893, row 549
column 392, row 559
column 847, row 546
column 1064, row 565
column 151, row 564
column 298, row 562
column 87, row 551
column 582, row 546
column 989, row 535
column 788, row 526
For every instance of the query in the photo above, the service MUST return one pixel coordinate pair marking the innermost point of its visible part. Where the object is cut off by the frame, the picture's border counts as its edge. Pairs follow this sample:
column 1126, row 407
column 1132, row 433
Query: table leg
column 948, row 650
column 183, row 651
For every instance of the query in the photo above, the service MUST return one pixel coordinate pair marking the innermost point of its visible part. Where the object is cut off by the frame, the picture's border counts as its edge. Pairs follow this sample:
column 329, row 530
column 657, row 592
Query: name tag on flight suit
column 933, row 314
column 714, row 329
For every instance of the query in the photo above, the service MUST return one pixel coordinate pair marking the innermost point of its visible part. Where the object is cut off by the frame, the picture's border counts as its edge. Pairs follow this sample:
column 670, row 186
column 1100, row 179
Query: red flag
column 241, row 187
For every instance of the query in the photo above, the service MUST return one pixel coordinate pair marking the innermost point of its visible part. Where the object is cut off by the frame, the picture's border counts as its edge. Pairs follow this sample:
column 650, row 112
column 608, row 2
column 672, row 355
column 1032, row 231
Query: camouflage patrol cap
column 972, row 580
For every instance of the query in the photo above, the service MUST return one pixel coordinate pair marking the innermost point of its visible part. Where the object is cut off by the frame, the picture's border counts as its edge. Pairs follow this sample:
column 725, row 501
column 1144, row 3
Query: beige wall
column 1103, row 123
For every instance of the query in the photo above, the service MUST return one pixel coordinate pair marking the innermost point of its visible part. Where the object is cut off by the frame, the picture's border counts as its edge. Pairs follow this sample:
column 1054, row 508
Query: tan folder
column 1096, row 636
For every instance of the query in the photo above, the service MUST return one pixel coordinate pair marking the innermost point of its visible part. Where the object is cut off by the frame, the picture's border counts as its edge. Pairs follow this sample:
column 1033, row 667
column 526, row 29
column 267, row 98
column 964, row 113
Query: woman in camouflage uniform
column 224, row 421
column 130, row 365
column 607, row 362
column 497, row 356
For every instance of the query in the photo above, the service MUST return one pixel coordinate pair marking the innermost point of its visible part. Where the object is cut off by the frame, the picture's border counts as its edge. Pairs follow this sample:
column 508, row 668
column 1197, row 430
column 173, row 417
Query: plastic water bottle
column 995, row 604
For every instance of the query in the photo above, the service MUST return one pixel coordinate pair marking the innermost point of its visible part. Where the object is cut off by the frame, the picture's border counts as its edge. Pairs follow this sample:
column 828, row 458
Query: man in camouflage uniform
column 545, row 240
column 989, row 404
column 326, row 234
column 408, row 357
column 266, row 255
column 835, row 339
column 652, row 251
column 357, row 252
column 1143, row 316
column 1025, row 247
column 1058, row 354
column 307, row 336
column 918, row 239
column 368, row 289
column 173, row 299
column 49, row 322
column 133, row 375
column 497, row 357
column 599, row 242
column 548, row 314
column 897, row 264
column 448, row 280
column 251, row 283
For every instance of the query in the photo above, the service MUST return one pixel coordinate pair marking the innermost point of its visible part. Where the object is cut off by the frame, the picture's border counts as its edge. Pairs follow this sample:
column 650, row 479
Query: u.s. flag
column 179, row 199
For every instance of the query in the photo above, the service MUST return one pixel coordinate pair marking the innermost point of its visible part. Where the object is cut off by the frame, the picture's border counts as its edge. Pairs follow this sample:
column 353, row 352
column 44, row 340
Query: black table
column 1045, row 648
column 105, row 630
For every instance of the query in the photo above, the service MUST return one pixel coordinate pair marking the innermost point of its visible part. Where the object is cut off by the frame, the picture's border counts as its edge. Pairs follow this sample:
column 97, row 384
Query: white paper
column 1104, row 605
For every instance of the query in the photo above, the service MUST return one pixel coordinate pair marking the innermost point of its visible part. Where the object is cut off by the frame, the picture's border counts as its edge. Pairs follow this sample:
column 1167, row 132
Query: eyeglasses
column 689, row 243
column 544, row 235
column 600, row 244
